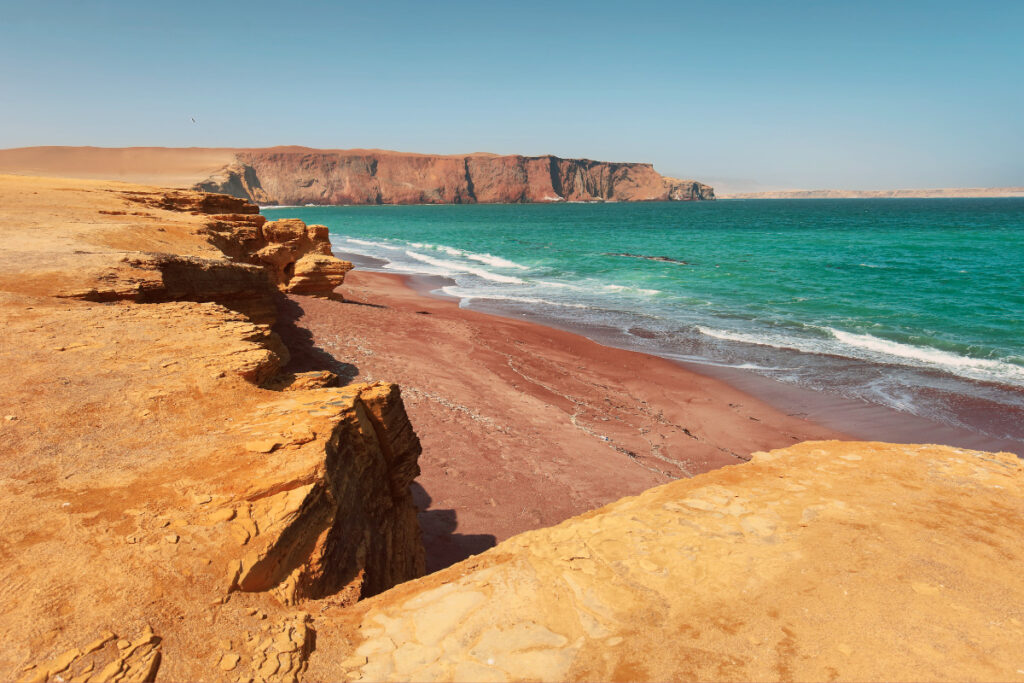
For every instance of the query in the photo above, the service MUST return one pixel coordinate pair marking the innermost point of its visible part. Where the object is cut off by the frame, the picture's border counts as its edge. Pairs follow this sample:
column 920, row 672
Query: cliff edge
column 294, row 176
column 301, row 175
column 821, row 561
column 162, row 481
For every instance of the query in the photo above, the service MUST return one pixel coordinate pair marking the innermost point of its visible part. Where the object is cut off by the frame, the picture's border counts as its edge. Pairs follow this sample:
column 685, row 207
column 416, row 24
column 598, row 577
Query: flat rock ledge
column 823, row 561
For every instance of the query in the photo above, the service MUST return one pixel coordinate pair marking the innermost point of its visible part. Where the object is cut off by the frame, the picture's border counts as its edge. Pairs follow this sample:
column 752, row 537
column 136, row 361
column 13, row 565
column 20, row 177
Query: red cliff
column 298, row 175
column 301, row 175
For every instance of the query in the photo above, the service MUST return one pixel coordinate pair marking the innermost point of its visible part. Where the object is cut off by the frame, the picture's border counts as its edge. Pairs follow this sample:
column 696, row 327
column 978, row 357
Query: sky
column 744, row 95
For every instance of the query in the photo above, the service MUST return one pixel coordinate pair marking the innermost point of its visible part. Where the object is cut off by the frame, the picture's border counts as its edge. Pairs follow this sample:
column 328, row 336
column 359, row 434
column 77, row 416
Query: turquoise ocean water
column 917, row 305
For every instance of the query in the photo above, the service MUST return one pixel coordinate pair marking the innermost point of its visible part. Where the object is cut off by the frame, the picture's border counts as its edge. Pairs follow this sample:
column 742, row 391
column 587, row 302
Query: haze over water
column 917, row 305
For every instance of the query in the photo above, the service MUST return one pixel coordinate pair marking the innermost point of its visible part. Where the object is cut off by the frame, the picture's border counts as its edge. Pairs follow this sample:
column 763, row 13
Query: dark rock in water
column 664, row 259
column 642, row 332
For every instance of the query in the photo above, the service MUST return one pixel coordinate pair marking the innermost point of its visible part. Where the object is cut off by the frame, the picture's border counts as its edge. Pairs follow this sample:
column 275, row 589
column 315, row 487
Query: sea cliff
column 301, row 175
column 295, row 176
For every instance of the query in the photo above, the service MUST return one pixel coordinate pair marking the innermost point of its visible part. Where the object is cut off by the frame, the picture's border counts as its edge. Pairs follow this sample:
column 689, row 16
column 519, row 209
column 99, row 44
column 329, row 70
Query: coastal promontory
column 301, row 175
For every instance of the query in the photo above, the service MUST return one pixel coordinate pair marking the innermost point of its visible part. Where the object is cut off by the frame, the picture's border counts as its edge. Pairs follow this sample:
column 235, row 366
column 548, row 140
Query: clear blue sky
column 747, row 95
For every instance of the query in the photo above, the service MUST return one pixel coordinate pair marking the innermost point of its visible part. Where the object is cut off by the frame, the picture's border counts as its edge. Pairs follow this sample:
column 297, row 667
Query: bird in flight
column 193, row 119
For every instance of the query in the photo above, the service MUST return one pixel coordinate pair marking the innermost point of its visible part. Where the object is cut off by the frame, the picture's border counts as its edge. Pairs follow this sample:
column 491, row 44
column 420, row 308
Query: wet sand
column 524, row 425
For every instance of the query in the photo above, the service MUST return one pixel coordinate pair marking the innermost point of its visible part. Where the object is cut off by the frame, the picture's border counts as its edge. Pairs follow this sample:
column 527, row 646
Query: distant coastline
column 937, row 193
column 302, row 176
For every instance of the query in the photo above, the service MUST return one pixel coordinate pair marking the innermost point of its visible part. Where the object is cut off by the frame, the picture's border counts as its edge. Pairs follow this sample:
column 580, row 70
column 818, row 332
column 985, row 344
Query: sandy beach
column 524, row 426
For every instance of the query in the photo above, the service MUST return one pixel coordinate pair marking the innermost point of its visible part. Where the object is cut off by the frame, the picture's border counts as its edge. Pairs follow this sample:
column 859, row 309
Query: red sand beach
column 523, row 425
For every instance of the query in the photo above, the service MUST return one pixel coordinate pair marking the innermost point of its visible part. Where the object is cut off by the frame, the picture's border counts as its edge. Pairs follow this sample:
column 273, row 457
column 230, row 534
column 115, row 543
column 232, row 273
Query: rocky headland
column 300, row 175
column 195, row 486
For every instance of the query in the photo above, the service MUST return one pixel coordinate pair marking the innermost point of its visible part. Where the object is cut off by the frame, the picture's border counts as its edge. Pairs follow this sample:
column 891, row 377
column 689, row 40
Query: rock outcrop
column 219, row 250
column 822, row 561
column 151, row 486
column 305, row 176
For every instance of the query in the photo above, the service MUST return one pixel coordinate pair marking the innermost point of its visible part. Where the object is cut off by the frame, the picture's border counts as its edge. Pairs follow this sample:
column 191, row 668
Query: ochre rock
column 299, row 257
column 106, row 658
column 150, row 485
column 301, row 381
column 296, row 257
column 327, row 511
column 822, row 561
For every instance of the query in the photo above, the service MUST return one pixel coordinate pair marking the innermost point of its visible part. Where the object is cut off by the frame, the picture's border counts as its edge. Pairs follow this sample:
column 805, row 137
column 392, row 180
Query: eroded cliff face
column 162, row 496
column 295, row 176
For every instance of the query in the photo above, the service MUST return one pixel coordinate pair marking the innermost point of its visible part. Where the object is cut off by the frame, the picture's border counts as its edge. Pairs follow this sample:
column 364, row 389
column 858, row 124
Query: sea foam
column 874, row 349
column 489, row 259
column 454, row 267
column 978, row 368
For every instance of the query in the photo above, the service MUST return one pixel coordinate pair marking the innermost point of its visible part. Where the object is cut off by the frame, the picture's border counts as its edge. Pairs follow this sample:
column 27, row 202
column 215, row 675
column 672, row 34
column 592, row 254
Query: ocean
column 912, row 304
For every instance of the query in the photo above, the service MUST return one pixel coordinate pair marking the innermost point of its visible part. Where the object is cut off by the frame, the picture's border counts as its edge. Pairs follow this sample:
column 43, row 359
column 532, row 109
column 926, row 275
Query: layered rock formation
column 300, row 175
column 304, row 176
column 150, row 485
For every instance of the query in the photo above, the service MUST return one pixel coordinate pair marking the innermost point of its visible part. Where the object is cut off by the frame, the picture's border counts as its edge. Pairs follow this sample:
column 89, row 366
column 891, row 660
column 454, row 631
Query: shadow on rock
column 445, row 547
column 305, row 354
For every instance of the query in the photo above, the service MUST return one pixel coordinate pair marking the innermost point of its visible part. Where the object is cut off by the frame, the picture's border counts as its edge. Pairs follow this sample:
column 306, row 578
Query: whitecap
column 979, row 368
column 454, row 267
column 488, row 259
column 368, row 243
column 473, row 294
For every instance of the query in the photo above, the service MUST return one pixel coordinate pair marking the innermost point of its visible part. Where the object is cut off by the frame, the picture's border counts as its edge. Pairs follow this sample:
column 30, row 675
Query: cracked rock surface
column 821, row 561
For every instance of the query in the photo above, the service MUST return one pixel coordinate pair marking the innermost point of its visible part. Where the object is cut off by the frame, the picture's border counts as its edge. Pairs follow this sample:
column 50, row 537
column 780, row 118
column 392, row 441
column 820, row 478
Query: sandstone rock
column 317, row 273
column 687, row 190
column 136, row 661
column 299, row 258
column 192, row 202
column 229, row 661
column 301, row 381
column 316, row 537
column 910, row 549
column 143, row 419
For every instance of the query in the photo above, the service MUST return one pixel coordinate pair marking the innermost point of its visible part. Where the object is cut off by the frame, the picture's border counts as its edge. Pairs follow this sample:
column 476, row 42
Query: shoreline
column 855, row 417
column 523, row 425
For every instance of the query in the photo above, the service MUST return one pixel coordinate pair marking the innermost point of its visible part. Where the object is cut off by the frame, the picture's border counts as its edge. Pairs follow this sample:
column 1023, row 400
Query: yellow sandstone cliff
column 822, row 561
column 176, row 508
column 151, row 486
